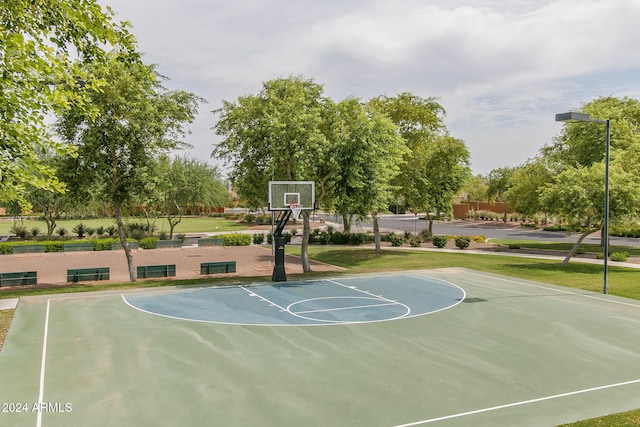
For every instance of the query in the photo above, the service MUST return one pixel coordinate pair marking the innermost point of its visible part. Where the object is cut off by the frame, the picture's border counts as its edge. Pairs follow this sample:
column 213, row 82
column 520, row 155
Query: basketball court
column 448, row 347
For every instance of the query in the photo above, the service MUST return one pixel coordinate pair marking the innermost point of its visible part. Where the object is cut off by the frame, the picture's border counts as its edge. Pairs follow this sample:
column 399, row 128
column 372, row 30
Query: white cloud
column 501, row 69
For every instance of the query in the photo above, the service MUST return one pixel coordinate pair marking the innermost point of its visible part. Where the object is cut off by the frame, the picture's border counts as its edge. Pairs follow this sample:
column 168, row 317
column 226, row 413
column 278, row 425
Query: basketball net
column 295, row 210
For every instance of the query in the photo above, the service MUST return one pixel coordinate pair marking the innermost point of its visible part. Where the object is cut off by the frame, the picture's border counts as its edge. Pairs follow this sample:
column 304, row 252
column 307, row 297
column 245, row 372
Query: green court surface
column 448, row 347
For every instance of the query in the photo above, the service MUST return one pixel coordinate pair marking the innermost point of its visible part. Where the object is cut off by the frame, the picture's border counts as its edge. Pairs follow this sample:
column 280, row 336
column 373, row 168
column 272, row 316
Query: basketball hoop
column 295, row 210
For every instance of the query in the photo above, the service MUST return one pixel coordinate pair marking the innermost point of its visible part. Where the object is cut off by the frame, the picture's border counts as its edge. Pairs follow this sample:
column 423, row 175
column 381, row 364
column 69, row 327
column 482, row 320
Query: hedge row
column 6, row 248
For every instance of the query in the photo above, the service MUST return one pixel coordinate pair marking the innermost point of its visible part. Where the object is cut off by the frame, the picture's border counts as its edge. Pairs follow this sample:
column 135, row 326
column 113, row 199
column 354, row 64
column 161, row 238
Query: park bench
column 85, row 274
column 77, row 247
column 217, row 267
column 209, row 242
column 176, row 243
column 19, row 278
column 28, row 249
column 148, row 271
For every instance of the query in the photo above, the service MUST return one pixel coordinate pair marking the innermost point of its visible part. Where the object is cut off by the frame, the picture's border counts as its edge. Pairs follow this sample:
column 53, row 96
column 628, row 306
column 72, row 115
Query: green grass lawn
column 193, row 224
column 623, row 282
column 565, row 247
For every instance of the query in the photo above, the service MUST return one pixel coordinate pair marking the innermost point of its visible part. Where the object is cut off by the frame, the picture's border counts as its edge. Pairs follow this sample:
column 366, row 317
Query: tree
column 184, row 183
column 437, row 165
column 135, row 119
column 577, row 157
column 367, row 156
column 277, row 135
column 498, row 183
column 523, row 193
column 38, row 77
column 577, row 194
column 476, row 190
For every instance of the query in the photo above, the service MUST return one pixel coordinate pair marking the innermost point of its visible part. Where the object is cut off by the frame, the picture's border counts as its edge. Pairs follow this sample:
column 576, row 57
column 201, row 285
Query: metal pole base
column 279, row 275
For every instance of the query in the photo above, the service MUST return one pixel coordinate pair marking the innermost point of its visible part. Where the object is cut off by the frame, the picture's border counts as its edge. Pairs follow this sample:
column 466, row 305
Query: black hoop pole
column 279, row 274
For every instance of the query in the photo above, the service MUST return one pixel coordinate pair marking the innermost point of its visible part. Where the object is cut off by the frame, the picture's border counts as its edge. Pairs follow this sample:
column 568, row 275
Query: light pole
column 582, row 117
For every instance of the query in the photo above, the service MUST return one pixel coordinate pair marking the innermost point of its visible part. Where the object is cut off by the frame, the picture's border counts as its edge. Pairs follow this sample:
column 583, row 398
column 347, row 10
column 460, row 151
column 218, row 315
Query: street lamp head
column 572, row 116
column 577, row 117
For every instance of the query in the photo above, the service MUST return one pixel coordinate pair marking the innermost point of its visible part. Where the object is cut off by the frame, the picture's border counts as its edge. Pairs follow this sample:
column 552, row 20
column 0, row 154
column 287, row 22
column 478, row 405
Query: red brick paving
column 250, row 261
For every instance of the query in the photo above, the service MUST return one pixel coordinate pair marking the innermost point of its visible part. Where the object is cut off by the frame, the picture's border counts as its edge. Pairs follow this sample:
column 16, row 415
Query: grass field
column 187, row 225
column 559, row 246
column 622, row 282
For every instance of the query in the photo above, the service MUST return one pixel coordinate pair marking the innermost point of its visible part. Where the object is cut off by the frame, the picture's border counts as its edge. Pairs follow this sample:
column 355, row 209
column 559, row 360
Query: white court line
column 353, row 307
column 353, row 288
column 252, row 293
column 524, row 402
column 43, row 364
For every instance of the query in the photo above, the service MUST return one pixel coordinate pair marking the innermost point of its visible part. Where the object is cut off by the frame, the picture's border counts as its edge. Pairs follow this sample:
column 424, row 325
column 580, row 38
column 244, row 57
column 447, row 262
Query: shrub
column 250, row 218
column 439, row 241
column 462, row 242
column 148, row 242
column 619, row 256
column 235, row 239
column 90, row 231
column 357, row 238
column 415, row 241
column 137, row 234
column 100, row 230
column 111, row 230
column 62, row 231
column 396, row 239
column 181, row 236
column 425, row 235
column 53, row 246
column 514, row 246
column 6, row 248
column 20, row 231
column 322, row 238
column 80, row 229
column 479, row 239
column 102, row 244
column 339, row 238
column 35, row 231
column 258, row 238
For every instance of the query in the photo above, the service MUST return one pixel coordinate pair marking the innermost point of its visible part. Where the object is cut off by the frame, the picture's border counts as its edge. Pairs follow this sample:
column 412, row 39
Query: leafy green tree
column 523, row 193
column 276, row 134
column 577, row 156
column 437, row 165
column 498, row 183
column 185, row 182
column 366, row 157
column 418, row 120
column 476, row 190
column 38, row 77
column 134, row 119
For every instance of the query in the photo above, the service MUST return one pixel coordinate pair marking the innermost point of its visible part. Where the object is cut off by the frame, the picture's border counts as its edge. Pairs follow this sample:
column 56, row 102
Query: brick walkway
column 250, row 261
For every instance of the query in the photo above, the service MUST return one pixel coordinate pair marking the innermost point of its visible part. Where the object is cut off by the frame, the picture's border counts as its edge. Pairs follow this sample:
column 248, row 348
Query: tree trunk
column 123, row 239
column 575, row 247
column 346, row 222
column 50, row 220
column 304, row 250
column 376, row 232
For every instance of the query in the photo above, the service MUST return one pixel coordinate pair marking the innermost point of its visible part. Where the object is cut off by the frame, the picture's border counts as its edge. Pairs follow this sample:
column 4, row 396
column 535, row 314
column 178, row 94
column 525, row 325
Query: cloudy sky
column 500, row 68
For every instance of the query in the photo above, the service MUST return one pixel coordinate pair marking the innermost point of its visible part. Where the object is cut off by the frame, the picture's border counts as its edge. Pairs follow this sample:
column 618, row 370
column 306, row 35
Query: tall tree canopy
column 576, row 191
column 436, row 164
column 43, row 47
column 367, row 155
column 275, row 135
column 133, row 120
